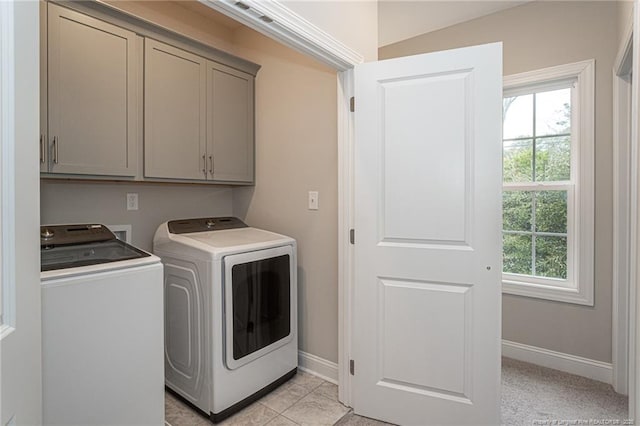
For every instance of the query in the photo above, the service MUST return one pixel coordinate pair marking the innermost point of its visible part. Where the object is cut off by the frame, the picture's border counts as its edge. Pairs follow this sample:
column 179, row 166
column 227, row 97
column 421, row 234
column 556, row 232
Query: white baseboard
column 596, row 370
column 317, row 366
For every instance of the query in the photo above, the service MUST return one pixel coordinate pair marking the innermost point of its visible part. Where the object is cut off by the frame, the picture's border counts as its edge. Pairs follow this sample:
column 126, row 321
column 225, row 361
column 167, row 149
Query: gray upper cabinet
column 175, row 113
column 230, row 124
column 123, row 99
column 92, row 96
column 198, row 117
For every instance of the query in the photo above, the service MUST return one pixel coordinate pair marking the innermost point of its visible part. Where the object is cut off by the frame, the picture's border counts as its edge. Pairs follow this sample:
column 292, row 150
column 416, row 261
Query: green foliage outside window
column 539, row 150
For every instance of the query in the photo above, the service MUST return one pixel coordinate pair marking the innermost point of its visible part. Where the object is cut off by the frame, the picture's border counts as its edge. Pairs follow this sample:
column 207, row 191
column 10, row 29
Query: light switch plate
column 313, row 200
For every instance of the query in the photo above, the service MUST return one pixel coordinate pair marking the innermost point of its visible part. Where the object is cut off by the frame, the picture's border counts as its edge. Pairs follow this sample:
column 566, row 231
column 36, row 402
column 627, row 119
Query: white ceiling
column 399, row 19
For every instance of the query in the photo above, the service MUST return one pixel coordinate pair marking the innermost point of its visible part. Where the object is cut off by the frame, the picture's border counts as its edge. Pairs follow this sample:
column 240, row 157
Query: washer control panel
column 186, row 226
column 58, row 235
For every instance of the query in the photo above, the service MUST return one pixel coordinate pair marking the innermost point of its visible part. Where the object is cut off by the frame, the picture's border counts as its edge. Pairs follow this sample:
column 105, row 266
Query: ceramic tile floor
column 303, row 400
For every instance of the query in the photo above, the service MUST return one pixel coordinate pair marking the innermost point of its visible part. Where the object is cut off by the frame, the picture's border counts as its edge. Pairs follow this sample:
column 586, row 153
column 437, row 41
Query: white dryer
column 230, row 311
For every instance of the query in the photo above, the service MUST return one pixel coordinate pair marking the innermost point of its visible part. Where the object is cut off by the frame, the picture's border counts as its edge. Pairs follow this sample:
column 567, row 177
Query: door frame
column 623, row 210
column 7, row 170
column 634, row 299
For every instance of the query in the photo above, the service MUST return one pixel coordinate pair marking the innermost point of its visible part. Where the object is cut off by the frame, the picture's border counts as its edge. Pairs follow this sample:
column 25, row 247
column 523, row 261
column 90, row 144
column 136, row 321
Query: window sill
column 557, row 294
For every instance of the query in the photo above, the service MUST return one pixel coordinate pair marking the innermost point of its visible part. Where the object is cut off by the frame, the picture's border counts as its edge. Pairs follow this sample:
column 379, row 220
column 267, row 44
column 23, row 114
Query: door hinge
column 352, row 236
column 352, row 367
column 352, row 104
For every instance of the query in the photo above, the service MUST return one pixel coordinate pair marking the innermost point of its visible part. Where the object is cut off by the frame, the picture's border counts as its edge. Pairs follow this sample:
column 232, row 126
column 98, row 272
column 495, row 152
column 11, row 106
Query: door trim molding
column 634, row 300
column 7, row 171
column 280, row 23
column 573, row 364
column 345, row 223
column 622, row 211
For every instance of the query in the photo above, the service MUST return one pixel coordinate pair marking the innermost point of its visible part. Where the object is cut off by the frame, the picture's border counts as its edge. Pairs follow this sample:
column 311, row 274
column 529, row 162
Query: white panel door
column 428, row 246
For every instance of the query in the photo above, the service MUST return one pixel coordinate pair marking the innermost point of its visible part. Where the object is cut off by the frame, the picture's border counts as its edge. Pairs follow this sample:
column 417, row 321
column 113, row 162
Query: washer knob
column 46, row 234
column 210, row 223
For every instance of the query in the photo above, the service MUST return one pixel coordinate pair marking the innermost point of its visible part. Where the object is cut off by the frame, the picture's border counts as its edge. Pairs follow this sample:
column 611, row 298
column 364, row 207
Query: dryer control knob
column 46, row 234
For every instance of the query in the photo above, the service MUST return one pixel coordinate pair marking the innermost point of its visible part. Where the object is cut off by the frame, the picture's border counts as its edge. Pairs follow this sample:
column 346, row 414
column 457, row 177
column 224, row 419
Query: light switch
column 132, row 201
column 313, row 200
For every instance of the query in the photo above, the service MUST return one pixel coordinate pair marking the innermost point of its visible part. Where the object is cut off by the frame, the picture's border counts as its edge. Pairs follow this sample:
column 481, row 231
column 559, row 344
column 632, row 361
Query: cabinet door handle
column 55, row 149
column 42, row 149
column 204, row 165
column 211, row 164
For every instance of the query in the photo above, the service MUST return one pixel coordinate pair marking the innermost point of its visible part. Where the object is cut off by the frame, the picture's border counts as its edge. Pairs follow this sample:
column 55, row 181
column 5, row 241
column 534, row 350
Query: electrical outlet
column 132, row 201
column 313, row 200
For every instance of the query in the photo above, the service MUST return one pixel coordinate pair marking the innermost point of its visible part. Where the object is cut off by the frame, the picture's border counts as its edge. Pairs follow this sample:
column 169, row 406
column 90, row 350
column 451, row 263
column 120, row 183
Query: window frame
column 578, row 288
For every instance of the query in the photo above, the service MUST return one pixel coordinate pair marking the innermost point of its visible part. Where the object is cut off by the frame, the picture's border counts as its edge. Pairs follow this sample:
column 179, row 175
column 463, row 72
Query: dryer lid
column 248, row 238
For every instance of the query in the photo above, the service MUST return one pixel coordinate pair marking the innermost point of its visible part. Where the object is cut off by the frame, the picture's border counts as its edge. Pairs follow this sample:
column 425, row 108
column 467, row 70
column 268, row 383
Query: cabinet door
column 175, row 106
column 230, row 124
column 43, row 151
column 92, row 95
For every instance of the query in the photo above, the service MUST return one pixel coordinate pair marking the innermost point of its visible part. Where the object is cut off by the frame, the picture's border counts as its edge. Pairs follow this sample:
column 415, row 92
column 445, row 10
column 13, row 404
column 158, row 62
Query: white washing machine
column 230, row 311
column 102, row 332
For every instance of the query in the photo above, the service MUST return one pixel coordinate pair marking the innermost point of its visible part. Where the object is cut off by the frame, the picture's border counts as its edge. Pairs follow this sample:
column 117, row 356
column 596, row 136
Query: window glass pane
column 553, row 158
column 517, row 161
column 551, row 211
column 551, row 257
column 536, row 148
column 517, row 116
column 517, row 254
column 516, row 210
column 553, row 112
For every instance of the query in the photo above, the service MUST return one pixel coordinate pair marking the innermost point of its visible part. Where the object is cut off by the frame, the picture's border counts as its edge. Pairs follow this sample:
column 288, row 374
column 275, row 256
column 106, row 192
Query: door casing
column 623, row 211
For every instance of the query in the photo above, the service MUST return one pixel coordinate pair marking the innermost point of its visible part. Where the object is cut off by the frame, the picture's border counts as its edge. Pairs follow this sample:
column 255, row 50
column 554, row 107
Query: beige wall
column 625, row 18
column 296, row 152
column 179, row 17
column 354, row 22
column 538, row 35
column 83, row 202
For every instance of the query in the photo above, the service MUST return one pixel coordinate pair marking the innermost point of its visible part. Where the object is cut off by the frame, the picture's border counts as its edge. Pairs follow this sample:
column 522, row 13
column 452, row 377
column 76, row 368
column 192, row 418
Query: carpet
column 534, row 395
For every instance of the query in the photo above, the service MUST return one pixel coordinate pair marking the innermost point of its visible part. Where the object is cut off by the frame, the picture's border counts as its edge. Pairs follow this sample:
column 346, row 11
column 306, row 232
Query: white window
column 548, row 210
